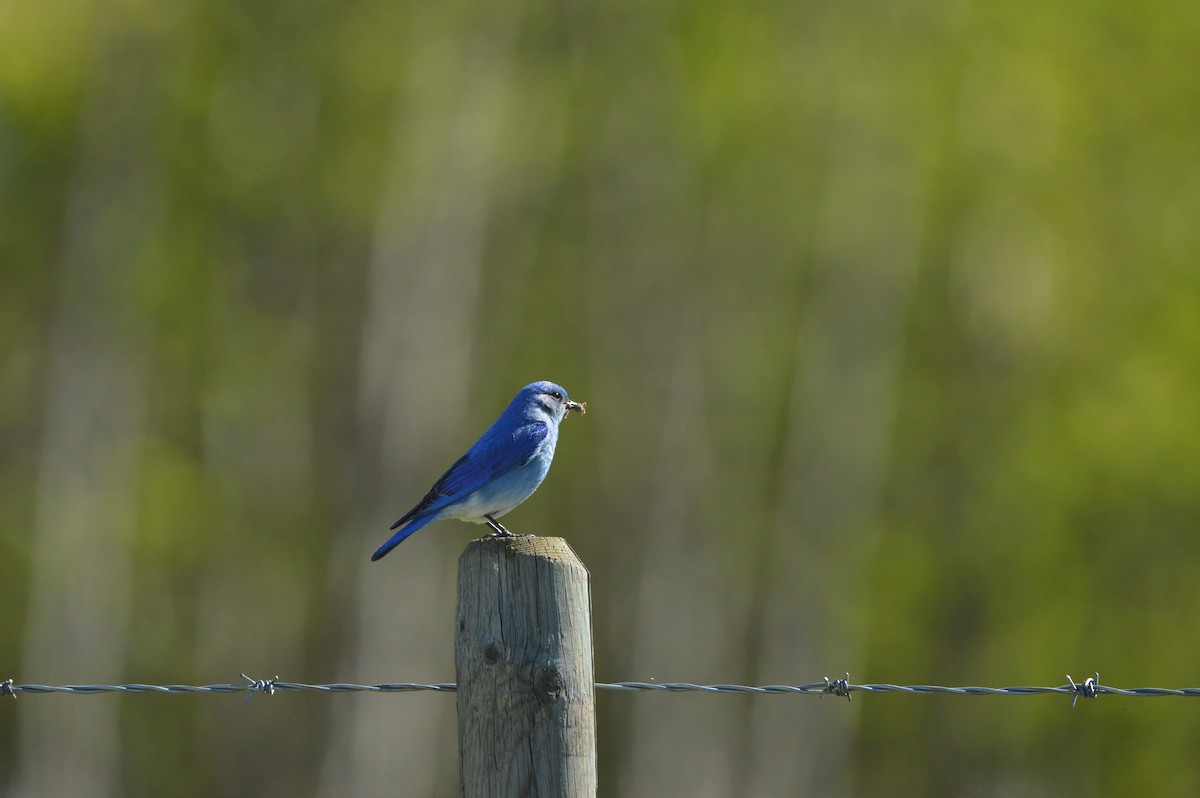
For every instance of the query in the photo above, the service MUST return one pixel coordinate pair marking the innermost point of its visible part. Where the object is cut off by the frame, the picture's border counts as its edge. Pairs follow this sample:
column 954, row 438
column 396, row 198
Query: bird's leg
column 500, row 531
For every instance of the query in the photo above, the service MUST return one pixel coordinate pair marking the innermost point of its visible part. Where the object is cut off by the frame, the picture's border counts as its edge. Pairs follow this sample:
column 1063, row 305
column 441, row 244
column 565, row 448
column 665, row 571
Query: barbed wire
column 1088, row 688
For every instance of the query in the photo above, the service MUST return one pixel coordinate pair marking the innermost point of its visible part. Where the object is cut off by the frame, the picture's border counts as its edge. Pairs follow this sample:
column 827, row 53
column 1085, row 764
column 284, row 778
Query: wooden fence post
column 526, row 685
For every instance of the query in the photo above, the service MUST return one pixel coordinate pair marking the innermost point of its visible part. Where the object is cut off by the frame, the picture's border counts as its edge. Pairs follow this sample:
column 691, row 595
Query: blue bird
column 502, row 469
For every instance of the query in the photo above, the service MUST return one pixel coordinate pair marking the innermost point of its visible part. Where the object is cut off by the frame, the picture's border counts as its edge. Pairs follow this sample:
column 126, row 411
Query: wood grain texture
column 526, row 684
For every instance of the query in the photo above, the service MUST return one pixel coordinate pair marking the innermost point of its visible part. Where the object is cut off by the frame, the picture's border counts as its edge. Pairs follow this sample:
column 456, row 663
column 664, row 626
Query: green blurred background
column 887, row 315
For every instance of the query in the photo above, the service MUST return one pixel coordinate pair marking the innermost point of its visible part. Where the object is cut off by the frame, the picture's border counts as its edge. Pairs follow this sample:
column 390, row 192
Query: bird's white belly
column 474, row 508
column 498, row 497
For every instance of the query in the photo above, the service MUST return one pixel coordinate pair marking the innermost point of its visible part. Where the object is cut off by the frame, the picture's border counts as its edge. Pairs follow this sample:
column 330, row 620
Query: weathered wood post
column 526, row 685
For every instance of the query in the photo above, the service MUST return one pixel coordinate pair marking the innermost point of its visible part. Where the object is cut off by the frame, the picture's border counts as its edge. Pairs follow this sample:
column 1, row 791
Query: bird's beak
column 577, row 407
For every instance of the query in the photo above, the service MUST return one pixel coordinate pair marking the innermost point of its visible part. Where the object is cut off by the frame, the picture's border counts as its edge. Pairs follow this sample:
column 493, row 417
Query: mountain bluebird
column 502, row 469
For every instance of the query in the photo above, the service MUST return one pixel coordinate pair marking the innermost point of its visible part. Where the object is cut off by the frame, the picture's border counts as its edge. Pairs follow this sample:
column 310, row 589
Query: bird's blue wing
column 488, row 459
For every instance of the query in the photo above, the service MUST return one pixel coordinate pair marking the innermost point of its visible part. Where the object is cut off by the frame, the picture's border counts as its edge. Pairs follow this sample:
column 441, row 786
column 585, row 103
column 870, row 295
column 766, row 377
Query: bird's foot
column 498, row 530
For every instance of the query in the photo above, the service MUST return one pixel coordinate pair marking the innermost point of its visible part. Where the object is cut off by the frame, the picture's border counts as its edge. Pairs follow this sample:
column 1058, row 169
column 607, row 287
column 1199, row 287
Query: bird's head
column 550, row 398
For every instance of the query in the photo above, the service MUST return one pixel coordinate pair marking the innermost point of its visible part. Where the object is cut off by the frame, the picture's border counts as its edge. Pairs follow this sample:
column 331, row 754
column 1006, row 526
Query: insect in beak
column 577, row 407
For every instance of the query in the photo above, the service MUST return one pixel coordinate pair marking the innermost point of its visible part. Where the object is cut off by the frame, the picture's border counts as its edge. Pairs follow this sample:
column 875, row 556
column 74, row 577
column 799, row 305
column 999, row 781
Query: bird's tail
column 402, row 533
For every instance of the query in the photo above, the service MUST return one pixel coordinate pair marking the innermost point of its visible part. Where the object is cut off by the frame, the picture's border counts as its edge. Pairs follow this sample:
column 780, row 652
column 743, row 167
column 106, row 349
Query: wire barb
column 6, row 688
column 259, row 686
column 1089, row 688
column 838, row 687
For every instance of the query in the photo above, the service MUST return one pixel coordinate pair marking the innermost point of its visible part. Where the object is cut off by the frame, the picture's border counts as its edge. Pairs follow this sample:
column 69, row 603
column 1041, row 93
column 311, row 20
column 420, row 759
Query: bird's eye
column 557, row 395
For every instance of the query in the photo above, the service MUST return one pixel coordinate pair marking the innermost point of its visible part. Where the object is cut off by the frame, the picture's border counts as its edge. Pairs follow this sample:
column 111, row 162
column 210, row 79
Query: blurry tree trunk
column 423, row 292
column 80, row 586
column 835, row 458
column 681, row 607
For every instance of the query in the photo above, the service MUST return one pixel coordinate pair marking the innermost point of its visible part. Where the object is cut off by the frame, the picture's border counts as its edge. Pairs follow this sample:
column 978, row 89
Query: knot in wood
column 549, row 684
column 491, row 654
